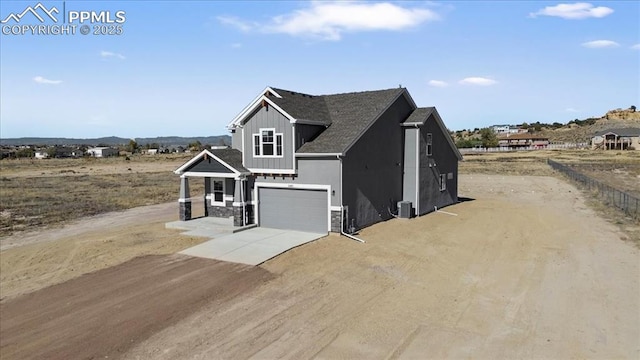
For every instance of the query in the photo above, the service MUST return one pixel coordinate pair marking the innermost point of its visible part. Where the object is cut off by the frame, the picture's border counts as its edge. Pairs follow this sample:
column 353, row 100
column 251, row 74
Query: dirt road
column 102, row 314
column 525, row 270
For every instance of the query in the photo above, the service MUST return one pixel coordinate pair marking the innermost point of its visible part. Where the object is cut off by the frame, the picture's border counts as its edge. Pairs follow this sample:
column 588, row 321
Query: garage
column 293, row 209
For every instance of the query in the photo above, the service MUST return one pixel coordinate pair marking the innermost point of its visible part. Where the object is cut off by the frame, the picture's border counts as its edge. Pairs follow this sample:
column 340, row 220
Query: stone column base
column 185, row 210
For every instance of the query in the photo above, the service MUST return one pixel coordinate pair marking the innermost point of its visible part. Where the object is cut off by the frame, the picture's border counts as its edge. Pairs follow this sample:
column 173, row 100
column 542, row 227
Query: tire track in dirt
column 103, row 314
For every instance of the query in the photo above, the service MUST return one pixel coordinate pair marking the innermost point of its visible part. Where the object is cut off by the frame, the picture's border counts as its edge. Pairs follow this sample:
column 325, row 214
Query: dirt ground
column 524, row 270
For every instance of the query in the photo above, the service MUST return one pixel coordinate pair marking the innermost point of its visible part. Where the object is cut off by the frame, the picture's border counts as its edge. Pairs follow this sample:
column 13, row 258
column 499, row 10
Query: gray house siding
column 306, row 133
column 372, row 168
column 313, row 171
column 264, row 118
column 442, row 161
column 236, row 139
column 409, row 185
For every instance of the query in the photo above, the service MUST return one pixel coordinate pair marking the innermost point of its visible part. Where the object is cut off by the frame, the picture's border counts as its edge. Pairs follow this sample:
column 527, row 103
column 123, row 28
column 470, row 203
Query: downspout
column 342, row 209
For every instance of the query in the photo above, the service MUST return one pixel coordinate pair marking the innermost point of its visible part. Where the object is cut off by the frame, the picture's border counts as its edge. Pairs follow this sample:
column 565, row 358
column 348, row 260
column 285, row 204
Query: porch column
column 185, row 199
column 238, row 209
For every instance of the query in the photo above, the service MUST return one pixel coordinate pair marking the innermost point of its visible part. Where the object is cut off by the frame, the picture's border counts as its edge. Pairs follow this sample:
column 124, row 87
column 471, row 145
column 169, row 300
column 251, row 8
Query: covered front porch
column 225, row 183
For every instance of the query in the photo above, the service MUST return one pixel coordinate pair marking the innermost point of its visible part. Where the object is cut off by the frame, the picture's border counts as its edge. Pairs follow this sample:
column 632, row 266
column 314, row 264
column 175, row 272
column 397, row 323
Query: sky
column 187, row 68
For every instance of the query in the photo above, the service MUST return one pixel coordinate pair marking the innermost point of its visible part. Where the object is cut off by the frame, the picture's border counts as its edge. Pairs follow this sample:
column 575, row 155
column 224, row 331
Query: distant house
column 102, row 152
column 150, row 151
column 41, row 154
column 617, row 139
column 324, row 163
column 506, row 129
column 522, row 141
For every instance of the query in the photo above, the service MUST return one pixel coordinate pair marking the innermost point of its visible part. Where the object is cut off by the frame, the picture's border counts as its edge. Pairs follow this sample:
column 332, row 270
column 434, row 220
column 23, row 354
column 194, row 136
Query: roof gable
column 351, row 114
column 421, row 115
column 226, row 162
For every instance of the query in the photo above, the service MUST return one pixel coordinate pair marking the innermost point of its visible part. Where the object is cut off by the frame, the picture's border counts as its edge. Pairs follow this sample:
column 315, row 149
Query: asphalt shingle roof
column 419, row 115
column 347, row 115
column 621, row 132
column 233, row 157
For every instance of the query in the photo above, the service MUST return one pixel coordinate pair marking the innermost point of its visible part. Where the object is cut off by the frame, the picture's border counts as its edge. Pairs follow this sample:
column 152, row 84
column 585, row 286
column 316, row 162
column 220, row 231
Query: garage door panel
column 293, row 209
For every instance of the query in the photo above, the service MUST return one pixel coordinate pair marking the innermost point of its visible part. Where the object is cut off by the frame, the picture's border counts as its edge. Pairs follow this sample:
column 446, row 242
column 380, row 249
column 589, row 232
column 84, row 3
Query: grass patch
column 27, row 203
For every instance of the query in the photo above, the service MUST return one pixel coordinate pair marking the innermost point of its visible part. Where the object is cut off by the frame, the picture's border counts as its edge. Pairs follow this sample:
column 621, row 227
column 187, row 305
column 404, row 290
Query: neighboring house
column 149, row 151
column 523, row 141
column 41, row 154
column 617, row 139
column 327, row 163
column 102, row 152
column 506, row 129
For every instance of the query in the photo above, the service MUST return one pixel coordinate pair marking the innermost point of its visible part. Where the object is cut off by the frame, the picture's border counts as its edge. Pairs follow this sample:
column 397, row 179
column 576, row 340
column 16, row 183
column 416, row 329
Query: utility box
column 405, row 210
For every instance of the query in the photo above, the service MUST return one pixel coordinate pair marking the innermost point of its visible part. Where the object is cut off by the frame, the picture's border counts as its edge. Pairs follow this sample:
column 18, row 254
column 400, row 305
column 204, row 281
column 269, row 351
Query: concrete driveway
column 251, row 247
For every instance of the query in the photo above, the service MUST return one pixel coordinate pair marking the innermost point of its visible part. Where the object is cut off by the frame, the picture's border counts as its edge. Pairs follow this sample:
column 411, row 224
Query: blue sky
column 187, row 68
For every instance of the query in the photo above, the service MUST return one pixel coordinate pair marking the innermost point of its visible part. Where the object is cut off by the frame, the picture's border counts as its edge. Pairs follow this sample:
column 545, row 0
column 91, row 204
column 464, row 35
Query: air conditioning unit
column 404, row 210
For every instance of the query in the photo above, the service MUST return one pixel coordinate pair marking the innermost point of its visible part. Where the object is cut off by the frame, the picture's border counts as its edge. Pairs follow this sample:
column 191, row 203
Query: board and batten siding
column 268, row 118
column 442, row 161
column 372, row 168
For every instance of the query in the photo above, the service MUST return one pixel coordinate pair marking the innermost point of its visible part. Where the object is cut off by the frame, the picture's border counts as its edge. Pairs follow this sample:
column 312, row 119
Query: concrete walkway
column 253, row 246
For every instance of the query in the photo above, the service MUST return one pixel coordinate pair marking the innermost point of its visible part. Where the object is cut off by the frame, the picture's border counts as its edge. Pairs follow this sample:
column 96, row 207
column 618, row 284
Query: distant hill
column 578, row 131
column 114, row 141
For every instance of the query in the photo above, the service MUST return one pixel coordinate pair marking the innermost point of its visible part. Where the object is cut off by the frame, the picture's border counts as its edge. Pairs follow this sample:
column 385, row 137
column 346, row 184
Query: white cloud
column 475, row 80
column 438, row 83
column 574, row 11
column 598, row 44
column 571, row 110
column 109, row 54
column 635, row 47
column 329, row 20
column 41, row 80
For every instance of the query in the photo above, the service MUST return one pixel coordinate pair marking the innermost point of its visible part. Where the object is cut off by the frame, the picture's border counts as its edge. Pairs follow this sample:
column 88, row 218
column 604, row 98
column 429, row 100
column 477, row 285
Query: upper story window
column 429, row 144
column 267, row 143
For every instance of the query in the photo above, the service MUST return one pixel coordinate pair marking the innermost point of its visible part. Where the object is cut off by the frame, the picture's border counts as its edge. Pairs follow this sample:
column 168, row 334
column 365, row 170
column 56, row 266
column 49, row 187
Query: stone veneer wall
column 335, row 221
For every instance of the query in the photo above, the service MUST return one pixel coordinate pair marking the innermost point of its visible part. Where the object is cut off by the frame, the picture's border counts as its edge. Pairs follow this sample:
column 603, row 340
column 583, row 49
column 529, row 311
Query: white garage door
column 293, row 209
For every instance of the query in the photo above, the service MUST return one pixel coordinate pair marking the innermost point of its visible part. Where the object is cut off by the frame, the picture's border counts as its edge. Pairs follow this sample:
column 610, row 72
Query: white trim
column 211, row 174
column 293, row 146
column 261, row 144
column 212, row 194
column 258, row 185
column 180, row 170
column 253, row 106
column 317, row 154
column 273, row 171
column 335, row 208
column 243, row 151
column 246, row 109
column 443, row 182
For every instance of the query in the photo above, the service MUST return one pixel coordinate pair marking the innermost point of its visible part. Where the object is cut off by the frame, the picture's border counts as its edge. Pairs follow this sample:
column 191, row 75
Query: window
column 267, row 143
column 443, row 182
column 429, row 145
column 218, row 192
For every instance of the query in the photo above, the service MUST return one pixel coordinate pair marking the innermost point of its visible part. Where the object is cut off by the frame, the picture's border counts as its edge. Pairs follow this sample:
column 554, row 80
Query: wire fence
column 611, row 196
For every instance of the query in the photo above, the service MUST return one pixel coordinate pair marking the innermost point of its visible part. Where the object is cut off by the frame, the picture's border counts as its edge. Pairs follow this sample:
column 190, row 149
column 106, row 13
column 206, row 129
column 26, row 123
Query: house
column 41, row 154
column 506, row 129
column 102, row 152
column 337, row 162
column 617, row 139
column 524, row 141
